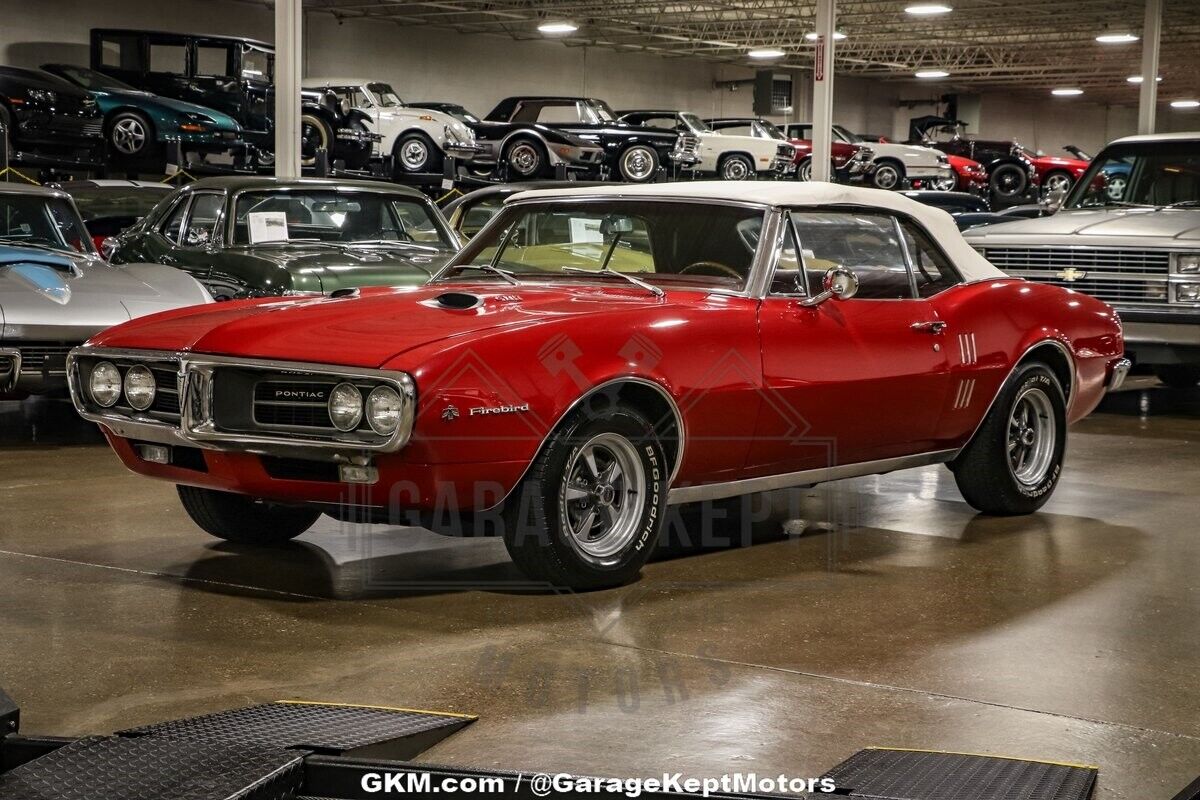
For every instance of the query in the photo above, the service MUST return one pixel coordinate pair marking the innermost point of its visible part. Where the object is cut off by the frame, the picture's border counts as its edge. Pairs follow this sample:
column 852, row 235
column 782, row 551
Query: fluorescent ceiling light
column 1138, row 79
column 932, row 73
column 766, row 52
column 1185, row 104
column 1066, row 92
column 558, row 27
column 812, row 36
column 925, row 9
column 1116, row 38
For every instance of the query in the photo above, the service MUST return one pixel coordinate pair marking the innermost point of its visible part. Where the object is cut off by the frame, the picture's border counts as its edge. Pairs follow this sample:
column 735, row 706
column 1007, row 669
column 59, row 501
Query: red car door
column 851, row 380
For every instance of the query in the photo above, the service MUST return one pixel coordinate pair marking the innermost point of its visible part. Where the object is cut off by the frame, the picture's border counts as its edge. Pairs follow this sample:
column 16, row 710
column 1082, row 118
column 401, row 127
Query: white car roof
column 940, row 225
column 1159, row 137
column 316, row 83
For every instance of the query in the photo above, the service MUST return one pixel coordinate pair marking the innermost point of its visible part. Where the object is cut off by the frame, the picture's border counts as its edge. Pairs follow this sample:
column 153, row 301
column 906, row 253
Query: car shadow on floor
column 44, row 421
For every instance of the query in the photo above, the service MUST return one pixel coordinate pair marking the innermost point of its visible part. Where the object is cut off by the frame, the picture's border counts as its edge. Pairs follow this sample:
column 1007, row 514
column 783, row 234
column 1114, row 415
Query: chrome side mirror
column 108, row 246
column 1052, row 201
column 839, row 283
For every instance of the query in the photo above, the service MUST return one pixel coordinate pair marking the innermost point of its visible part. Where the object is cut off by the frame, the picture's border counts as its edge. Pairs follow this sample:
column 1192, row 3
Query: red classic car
column 596, row 354
column 1056, row 172
column 969, row 176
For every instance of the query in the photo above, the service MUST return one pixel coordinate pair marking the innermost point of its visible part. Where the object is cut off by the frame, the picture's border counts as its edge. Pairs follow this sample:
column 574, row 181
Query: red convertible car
column 1057, row 172
column 596, row 354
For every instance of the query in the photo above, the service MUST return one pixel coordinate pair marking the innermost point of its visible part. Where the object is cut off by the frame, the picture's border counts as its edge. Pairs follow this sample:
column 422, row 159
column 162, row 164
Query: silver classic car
column 56, row 291
column 1129, row 234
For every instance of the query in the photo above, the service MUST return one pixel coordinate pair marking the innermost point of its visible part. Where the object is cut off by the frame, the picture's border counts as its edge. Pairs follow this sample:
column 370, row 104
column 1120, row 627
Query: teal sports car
column 138, row 125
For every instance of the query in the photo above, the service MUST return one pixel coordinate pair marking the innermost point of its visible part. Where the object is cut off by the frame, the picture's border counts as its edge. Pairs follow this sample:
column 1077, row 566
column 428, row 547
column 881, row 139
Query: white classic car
column 1129, row 234
column 733, row 157
column 895, row 164
column 417, row 139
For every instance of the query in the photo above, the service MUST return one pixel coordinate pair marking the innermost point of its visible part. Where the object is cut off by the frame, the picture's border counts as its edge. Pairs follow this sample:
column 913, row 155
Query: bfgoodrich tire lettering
column 547, row 514
column 242, row 519
column 1013, row 464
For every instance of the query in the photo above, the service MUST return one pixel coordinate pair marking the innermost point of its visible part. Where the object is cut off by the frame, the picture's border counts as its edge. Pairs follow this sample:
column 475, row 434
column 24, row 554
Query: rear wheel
column 525, row 159
column 638, row 164
column 589, row 511
column 1013, row 463
column 246, row 520
column 1008, row 181
column 1178, row 376
column 315, row 134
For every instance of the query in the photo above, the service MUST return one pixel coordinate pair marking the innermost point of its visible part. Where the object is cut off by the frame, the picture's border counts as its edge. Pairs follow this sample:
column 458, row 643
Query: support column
column 1148, row 99
column 822, row 102
column 289, row 18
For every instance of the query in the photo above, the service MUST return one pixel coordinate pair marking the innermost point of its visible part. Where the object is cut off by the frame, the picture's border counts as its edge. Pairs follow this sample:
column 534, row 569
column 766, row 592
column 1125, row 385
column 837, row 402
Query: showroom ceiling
column 1012, row 44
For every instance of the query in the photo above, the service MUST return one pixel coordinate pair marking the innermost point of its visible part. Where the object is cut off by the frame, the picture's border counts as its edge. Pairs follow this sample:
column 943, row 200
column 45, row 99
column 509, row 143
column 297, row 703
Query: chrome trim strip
column 15, row 355
column 196, row 427
column 1069, row 389
column 807, row 477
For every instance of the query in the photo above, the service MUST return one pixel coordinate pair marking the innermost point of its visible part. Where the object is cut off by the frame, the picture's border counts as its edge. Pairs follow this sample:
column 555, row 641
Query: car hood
column 1049, row 162
column 327, row 269
column 1142, row 223
column 64, row 303
column 148, row 101
column 406, row 113
column 371, row 327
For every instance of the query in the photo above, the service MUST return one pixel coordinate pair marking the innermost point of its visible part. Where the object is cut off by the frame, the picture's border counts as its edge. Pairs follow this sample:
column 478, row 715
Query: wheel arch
column 128, row 109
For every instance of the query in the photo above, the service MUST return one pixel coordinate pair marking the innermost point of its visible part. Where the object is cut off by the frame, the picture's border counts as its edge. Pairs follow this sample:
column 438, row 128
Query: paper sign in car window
column 268, row 226
column 584, row 229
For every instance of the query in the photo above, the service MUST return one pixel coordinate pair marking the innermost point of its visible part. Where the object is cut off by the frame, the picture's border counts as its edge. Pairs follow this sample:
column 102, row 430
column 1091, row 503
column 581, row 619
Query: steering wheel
column 712, row 266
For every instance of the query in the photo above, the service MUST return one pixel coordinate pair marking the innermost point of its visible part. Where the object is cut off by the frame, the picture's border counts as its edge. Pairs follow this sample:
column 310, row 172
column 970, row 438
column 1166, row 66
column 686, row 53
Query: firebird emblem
column 449, row 414
column 1070, row 274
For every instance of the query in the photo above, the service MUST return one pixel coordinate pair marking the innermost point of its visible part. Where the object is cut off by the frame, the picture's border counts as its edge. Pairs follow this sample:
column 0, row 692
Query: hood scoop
column 459, row 301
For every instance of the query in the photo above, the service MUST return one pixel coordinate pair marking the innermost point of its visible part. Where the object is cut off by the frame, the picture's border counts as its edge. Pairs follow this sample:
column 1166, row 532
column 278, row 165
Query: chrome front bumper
column 463, row 151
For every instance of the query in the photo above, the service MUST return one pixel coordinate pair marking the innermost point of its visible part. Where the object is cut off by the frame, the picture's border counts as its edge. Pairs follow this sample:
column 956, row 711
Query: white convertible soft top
column 940, row 225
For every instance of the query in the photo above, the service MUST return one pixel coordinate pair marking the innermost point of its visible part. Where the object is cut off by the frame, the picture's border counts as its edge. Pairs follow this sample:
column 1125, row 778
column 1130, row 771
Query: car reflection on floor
column 44, row 421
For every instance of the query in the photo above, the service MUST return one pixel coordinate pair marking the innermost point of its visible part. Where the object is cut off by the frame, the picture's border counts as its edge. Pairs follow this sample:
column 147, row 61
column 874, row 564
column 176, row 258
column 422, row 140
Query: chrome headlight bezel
column 139, row 387
column 113, row 384
column 345, row 406
column 1186, row 263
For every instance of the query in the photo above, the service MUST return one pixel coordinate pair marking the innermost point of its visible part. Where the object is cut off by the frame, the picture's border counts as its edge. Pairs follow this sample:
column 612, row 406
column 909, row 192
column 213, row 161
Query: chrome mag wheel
column 414, row 155
column 945, row 184
column 1032, row 436
column 129, row 135
column 1115, row 187
column 637, row 164
column 524, row 159
column 1058, row 181
column 887, row 177
column 735, row 169
column 603, row 496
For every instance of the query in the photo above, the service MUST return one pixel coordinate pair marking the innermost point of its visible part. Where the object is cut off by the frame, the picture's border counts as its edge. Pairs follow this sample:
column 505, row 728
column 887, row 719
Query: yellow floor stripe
column 376, row 708
column 988, row 755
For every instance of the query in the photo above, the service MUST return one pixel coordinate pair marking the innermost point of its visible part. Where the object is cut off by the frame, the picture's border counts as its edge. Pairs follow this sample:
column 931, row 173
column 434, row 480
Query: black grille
column 293, row 404
column 166, row 395
column 44, row 356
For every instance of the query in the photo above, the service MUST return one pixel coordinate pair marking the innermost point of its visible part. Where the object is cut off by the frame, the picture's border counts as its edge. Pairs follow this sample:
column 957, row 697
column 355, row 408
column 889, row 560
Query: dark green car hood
column 327, row 269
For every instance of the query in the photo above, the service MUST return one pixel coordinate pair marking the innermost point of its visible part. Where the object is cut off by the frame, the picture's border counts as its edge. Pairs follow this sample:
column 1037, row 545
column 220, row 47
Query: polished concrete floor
column 879, row 611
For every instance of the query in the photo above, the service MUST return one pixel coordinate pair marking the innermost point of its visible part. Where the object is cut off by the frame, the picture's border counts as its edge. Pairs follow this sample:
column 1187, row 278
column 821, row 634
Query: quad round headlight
column 384, row 408
column 105, row 384
column 139, row 387
column 345, row 406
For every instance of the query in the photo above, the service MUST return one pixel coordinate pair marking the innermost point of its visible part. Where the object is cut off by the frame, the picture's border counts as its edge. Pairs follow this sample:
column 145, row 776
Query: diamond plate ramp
column 883, row 774
column 362, row 731
column 120, row 768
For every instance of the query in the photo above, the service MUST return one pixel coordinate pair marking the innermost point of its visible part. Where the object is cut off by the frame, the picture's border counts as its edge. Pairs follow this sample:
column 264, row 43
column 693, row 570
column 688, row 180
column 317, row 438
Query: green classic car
column 137, row 124
column 261, row 236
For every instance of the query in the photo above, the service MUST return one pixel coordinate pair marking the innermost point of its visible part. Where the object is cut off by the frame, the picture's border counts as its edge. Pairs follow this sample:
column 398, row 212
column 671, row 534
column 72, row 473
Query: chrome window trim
column 807, row 477
column 218, row 225
column 196, row 428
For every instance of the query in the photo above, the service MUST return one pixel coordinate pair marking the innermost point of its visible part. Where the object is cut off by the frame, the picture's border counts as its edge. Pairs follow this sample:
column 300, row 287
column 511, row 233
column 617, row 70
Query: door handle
column 932, row 326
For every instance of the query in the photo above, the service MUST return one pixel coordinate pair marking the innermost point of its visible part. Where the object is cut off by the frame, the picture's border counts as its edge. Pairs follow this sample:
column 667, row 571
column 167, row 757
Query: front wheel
column 737, row 167
column 589, row 511
column 1013, row 463
column 416, row 152
column 245, row 520
column 1057, row 181
column 946, row 183
column 888, row 175
column 130, row 135
column 804, row 170
column 1178, row 376
column 638, row 164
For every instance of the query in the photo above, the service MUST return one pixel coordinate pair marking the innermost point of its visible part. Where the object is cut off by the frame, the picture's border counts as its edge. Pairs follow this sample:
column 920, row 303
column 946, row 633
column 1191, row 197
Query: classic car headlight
column 345, row 406
column 1188, row 293
column 139, row 387
column 105, row 384
column 1187, row 262
column 384, row 408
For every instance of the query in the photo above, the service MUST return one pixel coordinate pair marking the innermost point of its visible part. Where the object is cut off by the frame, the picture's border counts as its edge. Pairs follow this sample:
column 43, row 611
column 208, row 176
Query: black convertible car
column 632, row 153
column 48, row 121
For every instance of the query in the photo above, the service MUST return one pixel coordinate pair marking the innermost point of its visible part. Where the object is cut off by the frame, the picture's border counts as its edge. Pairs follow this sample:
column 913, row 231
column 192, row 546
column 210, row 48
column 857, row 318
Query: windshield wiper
column 649, row 287
column 491, row 269
column 394, row 243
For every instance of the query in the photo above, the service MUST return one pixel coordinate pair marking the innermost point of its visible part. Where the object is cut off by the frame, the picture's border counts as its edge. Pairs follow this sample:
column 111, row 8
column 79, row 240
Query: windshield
column 845, row 135
column 768, row 131
column 44, row 222
column 384, row 95
column 657, row 241
column 601, row 111
column 134, row 201
column 1141, row 174
column 94, row 80
column 696, row 124
column 332, row 216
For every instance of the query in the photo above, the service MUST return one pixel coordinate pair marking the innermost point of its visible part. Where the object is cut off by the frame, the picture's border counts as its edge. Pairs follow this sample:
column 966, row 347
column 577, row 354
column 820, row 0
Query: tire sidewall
column 747, row 168
column 1021, row 186
column 625, row 154
column 404, row 142
column 1039, row 377
column 884, row 168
